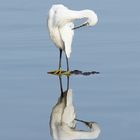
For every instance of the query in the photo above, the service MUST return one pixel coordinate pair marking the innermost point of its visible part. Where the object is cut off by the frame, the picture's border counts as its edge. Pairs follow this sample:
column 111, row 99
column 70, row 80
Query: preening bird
column 61, row 27
column 63, row 119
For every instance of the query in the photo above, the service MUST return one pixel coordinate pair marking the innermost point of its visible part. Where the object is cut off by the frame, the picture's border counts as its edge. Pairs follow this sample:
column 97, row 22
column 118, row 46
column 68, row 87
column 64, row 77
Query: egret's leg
column 60, row 58
column 68, row 81
column 67, row 61
column 59, row 72
column 61, row 87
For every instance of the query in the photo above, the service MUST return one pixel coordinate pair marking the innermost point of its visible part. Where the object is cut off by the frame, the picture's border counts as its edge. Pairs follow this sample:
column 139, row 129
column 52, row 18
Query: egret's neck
column 79, row 14
column 77, row 134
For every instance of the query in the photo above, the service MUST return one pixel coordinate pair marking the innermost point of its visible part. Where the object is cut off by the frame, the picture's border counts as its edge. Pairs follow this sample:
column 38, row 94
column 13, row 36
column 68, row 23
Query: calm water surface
column 28, row 93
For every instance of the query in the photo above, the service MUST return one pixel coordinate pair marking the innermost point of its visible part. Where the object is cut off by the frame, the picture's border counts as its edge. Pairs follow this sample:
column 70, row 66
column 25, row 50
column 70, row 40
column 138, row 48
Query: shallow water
column 28, row 93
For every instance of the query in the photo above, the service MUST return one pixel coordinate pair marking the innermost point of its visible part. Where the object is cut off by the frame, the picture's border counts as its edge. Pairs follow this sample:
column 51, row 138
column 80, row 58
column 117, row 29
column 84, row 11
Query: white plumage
column 67, row 37
column 61, row 27
column 62, row 116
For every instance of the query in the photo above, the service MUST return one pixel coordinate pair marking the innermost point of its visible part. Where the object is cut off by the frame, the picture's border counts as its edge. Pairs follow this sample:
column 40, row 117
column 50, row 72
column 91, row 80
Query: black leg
column 61, row 87
column 60, row 57
column 67, row 83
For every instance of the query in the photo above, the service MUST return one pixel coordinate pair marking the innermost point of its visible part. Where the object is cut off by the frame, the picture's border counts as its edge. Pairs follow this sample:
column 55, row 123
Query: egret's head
column 92, row 124
column 92, row 19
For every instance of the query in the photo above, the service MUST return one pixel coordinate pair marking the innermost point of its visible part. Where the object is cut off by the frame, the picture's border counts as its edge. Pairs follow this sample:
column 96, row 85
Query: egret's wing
column 68, row 116
column 67, row 34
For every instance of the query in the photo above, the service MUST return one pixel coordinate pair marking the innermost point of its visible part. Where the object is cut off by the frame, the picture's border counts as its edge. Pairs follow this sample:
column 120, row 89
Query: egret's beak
column 87, row 123
column 84, row 24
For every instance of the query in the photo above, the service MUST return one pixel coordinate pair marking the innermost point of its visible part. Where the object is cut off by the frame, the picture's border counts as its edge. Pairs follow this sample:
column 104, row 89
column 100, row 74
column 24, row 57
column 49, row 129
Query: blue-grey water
column 28, row 93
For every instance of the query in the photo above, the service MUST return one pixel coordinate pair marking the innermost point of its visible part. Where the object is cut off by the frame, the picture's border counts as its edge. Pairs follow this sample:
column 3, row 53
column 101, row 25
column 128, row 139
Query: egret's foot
column 67, row 73
column 56, row 72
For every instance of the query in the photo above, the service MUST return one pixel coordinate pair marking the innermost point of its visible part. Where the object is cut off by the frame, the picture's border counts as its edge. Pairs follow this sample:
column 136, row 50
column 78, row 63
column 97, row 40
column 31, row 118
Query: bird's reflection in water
column 63, row 119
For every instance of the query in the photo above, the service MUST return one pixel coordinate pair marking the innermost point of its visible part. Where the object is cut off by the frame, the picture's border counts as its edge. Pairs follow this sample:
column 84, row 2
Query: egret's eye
column 90, row 125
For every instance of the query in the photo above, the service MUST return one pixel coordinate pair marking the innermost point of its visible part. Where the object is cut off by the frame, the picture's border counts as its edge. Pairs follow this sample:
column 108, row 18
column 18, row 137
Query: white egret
column 63, row 120
column 61, row 27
